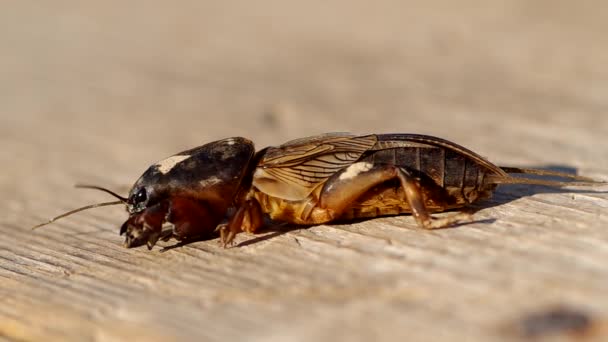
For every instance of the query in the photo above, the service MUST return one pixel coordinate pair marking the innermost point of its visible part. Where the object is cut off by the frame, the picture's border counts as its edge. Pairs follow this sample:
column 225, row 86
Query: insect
column 309, row 181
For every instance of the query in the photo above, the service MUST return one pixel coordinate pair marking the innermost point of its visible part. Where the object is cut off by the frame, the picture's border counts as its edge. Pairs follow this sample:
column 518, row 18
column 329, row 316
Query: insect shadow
column 270, row 231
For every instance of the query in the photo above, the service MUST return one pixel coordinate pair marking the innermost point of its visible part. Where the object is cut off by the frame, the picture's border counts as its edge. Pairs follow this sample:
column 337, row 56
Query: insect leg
column 146, row 227
column 345, row 187
column 415, row 199
column 191, row 218
column 248, row 218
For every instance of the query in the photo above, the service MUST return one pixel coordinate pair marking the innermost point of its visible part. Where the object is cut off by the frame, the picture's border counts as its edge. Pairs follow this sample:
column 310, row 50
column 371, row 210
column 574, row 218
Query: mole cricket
column 310, row 181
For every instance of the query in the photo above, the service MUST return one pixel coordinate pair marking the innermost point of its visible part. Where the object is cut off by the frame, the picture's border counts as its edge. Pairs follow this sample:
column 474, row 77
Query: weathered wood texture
column 96, row 91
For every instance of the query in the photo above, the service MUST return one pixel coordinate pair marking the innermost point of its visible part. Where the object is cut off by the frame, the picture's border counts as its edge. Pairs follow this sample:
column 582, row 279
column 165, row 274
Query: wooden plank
column 95, row 93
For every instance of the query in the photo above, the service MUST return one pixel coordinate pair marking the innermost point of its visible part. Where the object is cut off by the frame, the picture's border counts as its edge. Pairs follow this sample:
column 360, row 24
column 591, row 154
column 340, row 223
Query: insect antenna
column 97, row 205
column 121, row 200
column 95, row 187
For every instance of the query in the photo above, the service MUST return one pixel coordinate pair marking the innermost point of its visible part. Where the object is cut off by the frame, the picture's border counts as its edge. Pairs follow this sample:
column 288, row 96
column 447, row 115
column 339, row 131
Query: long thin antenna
column 95, row 187
column 103, row 204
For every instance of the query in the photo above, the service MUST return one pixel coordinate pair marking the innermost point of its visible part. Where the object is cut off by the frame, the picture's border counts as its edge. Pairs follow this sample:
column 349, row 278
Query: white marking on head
column 230, row 141
column 355, row 169
column 210, row 181
column 166, row 165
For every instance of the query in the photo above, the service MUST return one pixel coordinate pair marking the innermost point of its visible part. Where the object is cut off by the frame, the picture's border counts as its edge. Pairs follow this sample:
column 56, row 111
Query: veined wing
column 293, row 170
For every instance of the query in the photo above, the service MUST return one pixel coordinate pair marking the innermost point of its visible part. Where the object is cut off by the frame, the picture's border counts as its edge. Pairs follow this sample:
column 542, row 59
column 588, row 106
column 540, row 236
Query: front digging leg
column 248, row 218
column 192, row 219
column 145, row 227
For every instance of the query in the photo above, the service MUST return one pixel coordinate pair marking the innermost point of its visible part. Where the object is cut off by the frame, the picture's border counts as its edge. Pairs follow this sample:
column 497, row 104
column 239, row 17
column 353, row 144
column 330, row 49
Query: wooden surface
column 96, row 91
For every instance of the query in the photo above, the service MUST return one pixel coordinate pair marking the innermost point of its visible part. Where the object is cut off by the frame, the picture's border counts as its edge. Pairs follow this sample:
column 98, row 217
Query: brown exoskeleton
column 310, row 181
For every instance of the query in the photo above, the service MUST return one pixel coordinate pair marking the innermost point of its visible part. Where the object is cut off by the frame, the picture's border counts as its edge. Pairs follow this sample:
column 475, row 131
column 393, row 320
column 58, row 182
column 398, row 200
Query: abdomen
column 448, row 180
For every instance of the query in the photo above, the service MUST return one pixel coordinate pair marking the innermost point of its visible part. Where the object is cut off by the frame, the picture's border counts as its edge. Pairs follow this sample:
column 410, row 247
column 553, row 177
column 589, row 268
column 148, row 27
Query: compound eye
column 141, row 196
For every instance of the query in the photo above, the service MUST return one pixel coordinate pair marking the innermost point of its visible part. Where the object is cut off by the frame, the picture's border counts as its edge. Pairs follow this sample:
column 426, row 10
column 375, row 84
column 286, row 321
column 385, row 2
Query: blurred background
column 95, row 91
column 150, row 78
column 156, row 75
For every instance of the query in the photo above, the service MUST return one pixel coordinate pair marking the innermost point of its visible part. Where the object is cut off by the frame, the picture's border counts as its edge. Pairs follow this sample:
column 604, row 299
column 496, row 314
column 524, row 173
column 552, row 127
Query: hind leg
column 423, row 217
column 343, row 189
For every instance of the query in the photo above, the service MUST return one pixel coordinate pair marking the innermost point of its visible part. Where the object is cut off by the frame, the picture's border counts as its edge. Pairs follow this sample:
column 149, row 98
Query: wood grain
column 96, row 92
